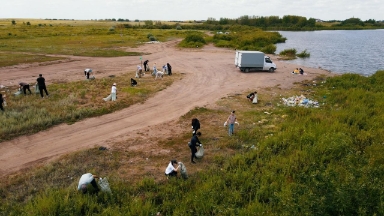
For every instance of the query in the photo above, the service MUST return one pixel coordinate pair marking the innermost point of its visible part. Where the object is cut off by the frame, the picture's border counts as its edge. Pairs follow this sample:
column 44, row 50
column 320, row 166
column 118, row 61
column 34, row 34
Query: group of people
column 298, row 71
column 40, row 83
column 171, row 169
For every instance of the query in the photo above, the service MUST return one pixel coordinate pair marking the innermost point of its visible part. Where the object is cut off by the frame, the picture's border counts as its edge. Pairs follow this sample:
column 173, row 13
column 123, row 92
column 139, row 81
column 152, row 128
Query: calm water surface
column 340, row 51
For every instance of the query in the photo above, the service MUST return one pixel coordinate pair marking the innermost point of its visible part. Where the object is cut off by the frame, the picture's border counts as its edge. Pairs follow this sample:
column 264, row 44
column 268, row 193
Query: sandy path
column 210, row 74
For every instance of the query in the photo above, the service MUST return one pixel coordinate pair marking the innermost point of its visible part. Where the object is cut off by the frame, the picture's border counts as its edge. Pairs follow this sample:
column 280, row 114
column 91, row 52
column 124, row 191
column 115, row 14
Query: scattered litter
column 267, row 113
column 102, row 148
column 300, row 101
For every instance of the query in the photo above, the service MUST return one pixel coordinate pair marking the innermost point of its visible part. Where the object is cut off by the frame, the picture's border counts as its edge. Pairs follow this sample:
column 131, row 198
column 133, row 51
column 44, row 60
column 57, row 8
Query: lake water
column 339, row 51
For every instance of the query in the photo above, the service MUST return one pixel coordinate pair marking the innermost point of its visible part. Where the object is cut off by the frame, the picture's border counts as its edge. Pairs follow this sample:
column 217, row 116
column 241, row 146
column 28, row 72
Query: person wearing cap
column 25, row 87
column 41, row 83
column 113, row 92
column 171, row 170
column 85, row 180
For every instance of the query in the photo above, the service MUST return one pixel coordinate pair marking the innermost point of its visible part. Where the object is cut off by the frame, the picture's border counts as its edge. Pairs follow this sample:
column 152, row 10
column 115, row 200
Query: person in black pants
column 192, row 145
column 169, row 69
column 1, row 102
column 41, row 83
column 195, row 125
column 146, row 65
column 25, row 87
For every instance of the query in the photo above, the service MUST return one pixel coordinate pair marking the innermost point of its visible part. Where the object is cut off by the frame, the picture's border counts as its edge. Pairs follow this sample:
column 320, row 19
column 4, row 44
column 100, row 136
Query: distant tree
column 352, row 21
column 13, row 22
column 28, row 23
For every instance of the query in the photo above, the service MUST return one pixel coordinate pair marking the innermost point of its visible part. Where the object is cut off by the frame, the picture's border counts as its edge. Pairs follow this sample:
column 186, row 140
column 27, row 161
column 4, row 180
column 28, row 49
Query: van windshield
column 268, row 60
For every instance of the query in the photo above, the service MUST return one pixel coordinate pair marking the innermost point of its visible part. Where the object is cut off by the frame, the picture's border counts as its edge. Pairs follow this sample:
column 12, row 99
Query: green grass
column 79, row 38
column 305, row 161
column 9, row 58
column 70, row 102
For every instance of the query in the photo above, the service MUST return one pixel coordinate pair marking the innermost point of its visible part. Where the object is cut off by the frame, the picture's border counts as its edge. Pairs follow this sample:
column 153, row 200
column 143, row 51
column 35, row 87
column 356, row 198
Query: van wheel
column 246, row 70
column 271, row 69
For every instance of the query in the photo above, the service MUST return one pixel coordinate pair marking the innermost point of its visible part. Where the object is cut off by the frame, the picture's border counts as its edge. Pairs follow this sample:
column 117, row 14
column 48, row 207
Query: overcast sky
column 190, row 9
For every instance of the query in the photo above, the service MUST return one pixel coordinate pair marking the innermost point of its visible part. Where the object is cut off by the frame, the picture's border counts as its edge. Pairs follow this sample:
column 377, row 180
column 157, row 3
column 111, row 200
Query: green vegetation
column 9, row 58
column 70, row 102
column 304, row 54
column 288, row 54
column 193, row 40
column 95, row 39
column 248, row 39
column 296, row 23
column 281, row 161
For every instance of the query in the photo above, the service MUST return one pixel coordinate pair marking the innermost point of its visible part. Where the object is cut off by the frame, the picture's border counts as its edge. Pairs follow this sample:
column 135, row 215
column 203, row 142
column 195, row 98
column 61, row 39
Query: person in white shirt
column 113, row 92
column 85, row 180
column 171, row 170
column 87, row 72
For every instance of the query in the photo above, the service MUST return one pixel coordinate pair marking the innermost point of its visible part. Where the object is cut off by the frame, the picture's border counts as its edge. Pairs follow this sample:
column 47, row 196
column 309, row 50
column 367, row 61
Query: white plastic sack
column 104, row 185
column 183, row 171
column 37, row 90
column 200, row 152
column 255, row 99
column 17, row 93
column 108, row 98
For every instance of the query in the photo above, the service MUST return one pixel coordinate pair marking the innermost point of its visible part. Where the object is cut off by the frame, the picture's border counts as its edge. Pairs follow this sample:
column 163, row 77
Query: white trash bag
column 108, row 98
column 200, row 152
column 104, row 185
column 183, row 170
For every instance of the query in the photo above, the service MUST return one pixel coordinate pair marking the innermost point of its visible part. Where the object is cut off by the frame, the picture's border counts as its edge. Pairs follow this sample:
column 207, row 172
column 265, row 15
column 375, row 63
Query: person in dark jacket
column 1, row 102
column 146, row 65
column 41, row 83
column 195, row 125
column 193, row 144
column 169, row 67
column 25, row 87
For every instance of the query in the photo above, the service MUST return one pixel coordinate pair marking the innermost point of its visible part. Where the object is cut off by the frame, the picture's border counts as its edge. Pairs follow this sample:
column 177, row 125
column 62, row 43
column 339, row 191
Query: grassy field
column 79, row 38
column 70, row 102
column 281, row 161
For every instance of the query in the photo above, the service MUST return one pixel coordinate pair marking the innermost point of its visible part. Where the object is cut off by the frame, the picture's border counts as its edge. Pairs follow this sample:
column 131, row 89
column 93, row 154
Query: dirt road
column 210, row 74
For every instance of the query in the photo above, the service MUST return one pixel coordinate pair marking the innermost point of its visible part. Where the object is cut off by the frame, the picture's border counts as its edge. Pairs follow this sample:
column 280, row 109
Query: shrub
column 152, row 38
column 304, row 54
column 288, row 53
column 269, row 49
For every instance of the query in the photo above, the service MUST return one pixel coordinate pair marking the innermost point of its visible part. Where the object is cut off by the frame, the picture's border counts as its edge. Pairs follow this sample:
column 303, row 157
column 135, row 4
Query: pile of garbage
column 300, row 101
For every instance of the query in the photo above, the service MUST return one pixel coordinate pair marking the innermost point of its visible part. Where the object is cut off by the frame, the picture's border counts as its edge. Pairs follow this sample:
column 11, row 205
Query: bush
column 269, row 49
column 193, row 40
column 304, row 54
column 288, row 53
column 152, row 38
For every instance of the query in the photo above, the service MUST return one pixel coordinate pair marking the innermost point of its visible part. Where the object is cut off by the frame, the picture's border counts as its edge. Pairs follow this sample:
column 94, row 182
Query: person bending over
column 85, row 180
column 171, row 170
column 25, row 87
